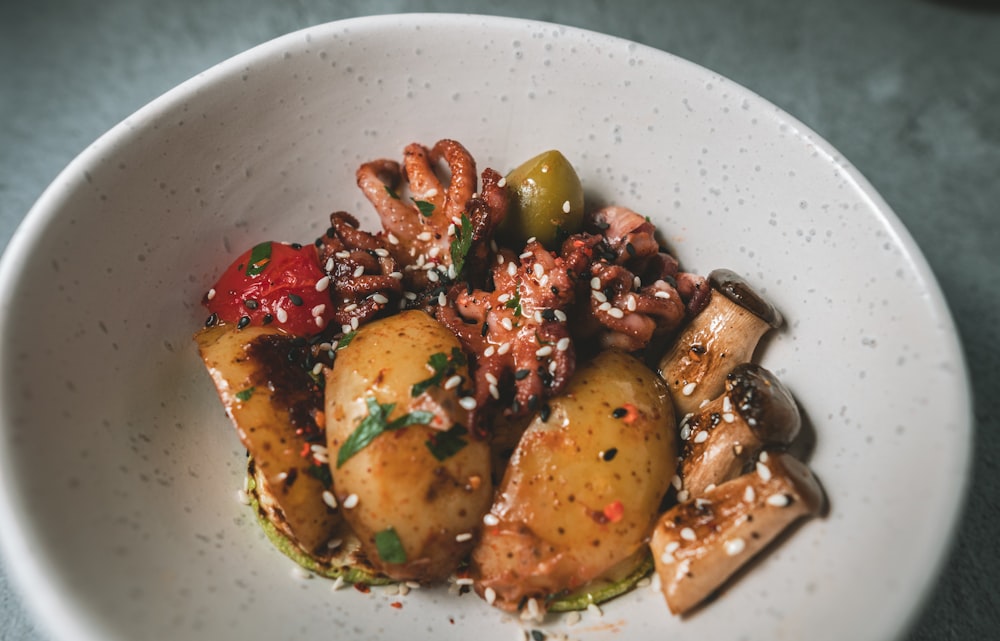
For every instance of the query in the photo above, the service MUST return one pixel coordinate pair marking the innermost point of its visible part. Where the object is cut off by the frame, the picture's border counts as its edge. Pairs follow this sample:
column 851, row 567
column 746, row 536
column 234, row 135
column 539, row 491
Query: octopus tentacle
column 627, row 233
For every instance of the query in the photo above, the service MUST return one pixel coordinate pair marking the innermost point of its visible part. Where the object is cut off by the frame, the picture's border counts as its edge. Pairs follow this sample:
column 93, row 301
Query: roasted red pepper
column 274, row 284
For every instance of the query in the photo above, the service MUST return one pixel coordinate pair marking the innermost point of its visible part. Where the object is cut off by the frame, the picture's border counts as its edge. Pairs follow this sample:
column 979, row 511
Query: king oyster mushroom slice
column 720, row 337
column 756, row 410
column 699, row 544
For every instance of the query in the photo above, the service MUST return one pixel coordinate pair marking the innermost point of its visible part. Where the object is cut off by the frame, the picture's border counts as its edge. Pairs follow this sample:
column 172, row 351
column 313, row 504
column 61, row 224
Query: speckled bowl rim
column 62, row 614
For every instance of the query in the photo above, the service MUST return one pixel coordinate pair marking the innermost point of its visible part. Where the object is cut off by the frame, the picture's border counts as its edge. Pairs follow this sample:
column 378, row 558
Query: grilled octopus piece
column 517, row 333
column 363, row 275
column 422, row 216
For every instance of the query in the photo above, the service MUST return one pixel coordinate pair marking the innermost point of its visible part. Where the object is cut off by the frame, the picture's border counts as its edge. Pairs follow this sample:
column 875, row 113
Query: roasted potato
column 583, row 487
column 275, row 406
column 411, row 481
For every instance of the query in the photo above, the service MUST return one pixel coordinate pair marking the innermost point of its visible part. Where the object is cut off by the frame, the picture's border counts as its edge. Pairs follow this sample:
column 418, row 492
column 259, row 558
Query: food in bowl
column 503, row 388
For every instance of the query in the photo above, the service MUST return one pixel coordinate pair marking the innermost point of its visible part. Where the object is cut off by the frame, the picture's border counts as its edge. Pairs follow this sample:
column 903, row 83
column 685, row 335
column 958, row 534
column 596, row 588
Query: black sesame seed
column 268, row 319
column 212, row 320
column 537, row 635
column 485, row 330
column 545, row 412
column 251, row 304
column 554, row 290
column 533, row 402
column 549, row 314
column 602, row 225
column 296, row 246
column 630, row 248
column 521, row 373
column 243, row 322
column 318, row 242
column 619, row 412
column 331, row 232
column 608, row 455
column 295, row 298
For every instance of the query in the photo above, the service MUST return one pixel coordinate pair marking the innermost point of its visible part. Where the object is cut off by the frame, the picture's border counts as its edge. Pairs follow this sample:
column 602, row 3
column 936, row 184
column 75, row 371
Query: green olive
column 546, row 201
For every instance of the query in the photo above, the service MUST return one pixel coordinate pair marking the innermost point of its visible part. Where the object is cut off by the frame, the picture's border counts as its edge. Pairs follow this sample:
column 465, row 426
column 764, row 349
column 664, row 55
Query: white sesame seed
column 688, row 389
column 322, row 284
column 763, row 457
column 614, row 312
column 603, row 307
column 532, row 609
column 468, row 402
column 211, row 294
column 636, row 282
column 511, row 268
column 330, row 499
column 685, row 432
column 318, row 367
column 778, row 500
column 351, row 502
column 495, row 392
column 329, row 264
column 503, row 298
column 351, row 307
column 525, row 255
column 318, row 310
column 346, row 329
column 502, row 182
column 359, row 271
column 424, row 236
column 463, row 537
column 728, row 417
column 433, row 276
column 490, row 519
column 538, row 269
column 381, row 253
column 500, row 259
column 491, row 379
column 489, row 351
column 380, row 299
column 701, row 436
column 396, row 275
column 595, row 283
column 594, row 610
column 434, row 251
column 563, row 344
column 456, row 220
column 281, row 315
column 453, row 382
column 354, row 323
column 727, row 404
column 409, row 295
column 507, row 324
column 300, row 572
column 734, row 546
column 566, row 207
column 337, row 583
column 560, row 315
column 242, row 496
column 763, row 471
column 599, row 295
column 342, row 255
column 490, row 595
column 677, row 482
column 452, row 272
column 430, row 193
column 662, row 294
column 537, row 316
column 672, row 547
column 334, row 543
column 531, row 240
column 688, row 534
column 452, row 230
column 683, row 495
column 630, row 304
column 503, row 349
column 552, row 367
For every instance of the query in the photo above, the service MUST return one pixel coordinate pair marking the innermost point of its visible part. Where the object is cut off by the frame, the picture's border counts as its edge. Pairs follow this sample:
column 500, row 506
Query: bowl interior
column 120, row 469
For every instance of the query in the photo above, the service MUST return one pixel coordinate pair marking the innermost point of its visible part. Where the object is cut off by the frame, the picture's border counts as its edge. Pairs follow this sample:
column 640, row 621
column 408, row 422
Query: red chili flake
column 362, row 588
column 305, row 451
column 627, row 412
column 614, row 511
column 396, row 604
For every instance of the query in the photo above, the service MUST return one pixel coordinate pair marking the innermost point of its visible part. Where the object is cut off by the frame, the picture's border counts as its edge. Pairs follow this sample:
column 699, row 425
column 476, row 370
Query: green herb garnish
column 461, row 244
column 260, row 256
column 426, row 207
column 444, row 445
column 346, row 339
column 391, row 193
column 376, row 423
column 323, row 474
column 389, row 547
column 442, row 366
column 244, row 395
column 514, row 303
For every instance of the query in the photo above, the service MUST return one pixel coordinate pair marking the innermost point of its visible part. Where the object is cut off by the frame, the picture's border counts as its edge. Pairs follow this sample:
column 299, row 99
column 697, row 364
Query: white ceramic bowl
column 120, row 470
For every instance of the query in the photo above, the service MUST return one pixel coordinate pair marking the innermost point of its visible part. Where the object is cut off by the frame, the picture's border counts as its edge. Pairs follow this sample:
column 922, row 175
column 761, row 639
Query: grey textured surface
column 907, row 90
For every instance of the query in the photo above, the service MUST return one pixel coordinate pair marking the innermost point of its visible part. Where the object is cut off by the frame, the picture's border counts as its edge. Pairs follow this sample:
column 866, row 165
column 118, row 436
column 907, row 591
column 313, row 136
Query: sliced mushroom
column 718, row 339
column 718, row 442
column 698, row 545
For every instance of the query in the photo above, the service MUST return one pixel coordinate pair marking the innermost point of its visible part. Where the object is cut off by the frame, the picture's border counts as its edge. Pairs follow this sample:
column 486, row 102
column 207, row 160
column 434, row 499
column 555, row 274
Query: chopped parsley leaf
column 245, row 394
column 375, row 424
column 461, row 244
column 426, row 207
column 444, row 445
column 260, row 256
column 389, row 547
